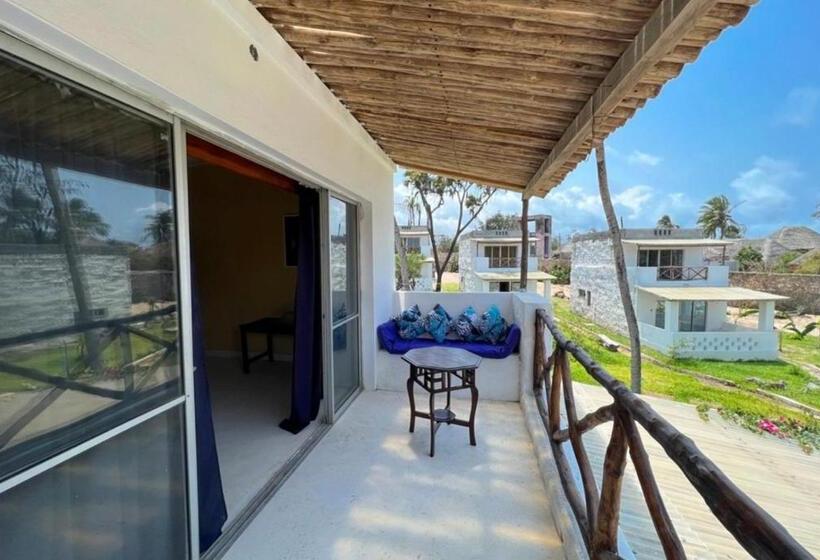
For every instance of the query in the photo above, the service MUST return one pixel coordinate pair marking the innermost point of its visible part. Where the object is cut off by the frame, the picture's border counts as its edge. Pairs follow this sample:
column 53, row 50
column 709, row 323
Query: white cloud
column 800, row 107
column 634, row 198
column 153, row 208
column 638, row 157
column 764, row 187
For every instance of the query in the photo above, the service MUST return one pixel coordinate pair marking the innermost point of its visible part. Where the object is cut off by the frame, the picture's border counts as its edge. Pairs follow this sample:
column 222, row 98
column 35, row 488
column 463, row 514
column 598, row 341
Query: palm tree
column 716, row 218
column 160, row 227
column 665, row 222
column 816, row 213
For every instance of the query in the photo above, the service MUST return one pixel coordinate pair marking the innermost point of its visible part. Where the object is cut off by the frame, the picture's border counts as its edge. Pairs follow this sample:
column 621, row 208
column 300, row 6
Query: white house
column 679, row 296
column 489, row 260
column 416, row 239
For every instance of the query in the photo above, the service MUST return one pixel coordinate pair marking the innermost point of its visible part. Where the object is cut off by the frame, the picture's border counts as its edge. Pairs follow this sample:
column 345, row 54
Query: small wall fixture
column 254, row 52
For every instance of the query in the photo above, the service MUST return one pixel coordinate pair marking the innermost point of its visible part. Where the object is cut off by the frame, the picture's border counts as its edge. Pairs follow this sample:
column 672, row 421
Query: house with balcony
column 680, row 295
column 489, row 260
column 416, row 239
column 234, row 400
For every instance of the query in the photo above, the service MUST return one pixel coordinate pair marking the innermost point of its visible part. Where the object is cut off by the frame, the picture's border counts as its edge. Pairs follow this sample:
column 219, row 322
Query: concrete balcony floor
column 370, row 490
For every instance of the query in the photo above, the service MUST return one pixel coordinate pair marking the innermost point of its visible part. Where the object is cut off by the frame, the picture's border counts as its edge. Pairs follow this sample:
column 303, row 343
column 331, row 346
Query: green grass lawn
column 740, row 404
column 450, row 287
column 54, row 360
column 806, row 350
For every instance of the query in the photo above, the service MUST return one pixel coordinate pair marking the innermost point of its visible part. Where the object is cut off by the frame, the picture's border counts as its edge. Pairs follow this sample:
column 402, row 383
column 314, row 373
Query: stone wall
column 802, row 289
column 36, row 292
column 593, row 271
column 466, row 256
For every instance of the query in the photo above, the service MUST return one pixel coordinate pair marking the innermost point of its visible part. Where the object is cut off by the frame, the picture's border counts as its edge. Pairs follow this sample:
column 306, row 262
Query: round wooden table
column 439, row 369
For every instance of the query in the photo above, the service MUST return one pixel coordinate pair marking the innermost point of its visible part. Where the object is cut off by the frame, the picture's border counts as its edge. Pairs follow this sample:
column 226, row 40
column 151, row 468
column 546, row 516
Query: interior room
column 244, row 227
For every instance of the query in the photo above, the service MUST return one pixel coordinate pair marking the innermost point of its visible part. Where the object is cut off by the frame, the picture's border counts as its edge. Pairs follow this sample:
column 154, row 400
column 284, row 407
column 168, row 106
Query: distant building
column 416, row 239
column 680, row 297
column 490, row 260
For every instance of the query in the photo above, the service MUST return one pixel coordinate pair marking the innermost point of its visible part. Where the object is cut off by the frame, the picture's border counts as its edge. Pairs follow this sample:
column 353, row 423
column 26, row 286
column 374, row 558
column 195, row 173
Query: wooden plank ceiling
column 486, row 89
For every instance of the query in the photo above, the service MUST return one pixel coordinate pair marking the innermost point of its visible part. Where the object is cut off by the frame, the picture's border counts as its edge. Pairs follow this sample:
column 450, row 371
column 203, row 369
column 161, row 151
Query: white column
column 765, row 316
column 671, row 314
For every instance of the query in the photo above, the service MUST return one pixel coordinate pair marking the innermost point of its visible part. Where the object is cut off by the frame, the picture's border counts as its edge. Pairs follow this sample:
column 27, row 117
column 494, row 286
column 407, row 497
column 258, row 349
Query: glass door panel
column 344, row 297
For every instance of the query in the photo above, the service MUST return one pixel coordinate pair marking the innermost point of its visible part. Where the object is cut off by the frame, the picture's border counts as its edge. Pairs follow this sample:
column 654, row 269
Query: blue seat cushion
column 493, row 326
column 410, row 323
column 390, row 340
column 438, row 323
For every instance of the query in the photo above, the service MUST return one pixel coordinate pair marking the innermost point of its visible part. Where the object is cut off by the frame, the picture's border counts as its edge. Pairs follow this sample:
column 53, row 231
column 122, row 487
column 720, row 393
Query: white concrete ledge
column 497, row 380
column 562, row 515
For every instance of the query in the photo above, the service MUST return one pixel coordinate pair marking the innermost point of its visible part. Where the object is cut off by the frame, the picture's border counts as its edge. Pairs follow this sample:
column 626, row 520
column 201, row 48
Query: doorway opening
column 248, row 237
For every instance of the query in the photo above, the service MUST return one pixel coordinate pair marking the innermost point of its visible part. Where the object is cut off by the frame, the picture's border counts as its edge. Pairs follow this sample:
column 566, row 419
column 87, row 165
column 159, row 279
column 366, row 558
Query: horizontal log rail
column 597, row 512
column 683, row 273
column 111, row 330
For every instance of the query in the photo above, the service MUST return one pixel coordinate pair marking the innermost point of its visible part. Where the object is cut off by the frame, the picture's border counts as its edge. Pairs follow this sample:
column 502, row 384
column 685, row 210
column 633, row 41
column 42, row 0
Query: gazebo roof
column 502, row 92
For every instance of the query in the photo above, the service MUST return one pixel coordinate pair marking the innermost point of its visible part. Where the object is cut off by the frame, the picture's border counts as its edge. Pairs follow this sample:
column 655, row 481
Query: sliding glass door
column 344, row 287
column 92, row 461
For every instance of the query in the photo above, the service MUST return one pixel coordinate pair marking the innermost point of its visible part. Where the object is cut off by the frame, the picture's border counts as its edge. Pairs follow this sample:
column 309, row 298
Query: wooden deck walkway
column 775, row 473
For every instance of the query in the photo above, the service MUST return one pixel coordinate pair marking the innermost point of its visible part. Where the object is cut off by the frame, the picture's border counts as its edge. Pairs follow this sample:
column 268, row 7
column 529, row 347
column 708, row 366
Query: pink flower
column 768, row 426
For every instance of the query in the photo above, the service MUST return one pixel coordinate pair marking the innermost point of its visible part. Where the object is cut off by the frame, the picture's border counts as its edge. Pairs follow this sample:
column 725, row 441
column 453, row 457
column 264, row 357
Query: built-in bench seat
column 390, row 341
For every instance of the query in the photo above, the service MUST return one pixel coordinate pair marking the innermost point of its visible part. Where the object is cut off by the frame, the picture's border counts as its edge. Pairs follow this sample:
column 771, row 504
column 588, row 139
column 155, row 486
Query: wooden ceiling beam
column 670, row 22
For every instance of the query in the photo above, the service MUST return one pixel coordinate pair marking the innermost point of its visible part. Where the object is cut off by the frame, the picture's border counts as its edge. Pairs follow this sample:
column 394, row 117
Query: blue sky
column 743, row 120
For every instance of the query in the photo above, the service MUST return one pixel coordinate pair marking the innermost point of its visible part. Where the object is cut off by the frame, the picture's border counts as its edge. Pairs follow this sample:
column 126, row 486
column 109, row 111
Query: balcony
column 497, row 264
column 370, row 490
column 679, row 275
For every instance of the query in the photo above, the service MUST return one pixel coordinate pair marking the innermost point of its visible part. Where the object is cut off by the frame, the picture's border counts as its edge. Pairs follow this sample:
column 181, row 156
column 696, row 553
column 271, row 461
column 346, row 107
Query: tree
column 749, row 257
column 414, row 262
column 716, row 218
column 620, row 271
column 499, row 221
column 432, row 191
column 160, row 227
column 401, row 255
column 666, row 222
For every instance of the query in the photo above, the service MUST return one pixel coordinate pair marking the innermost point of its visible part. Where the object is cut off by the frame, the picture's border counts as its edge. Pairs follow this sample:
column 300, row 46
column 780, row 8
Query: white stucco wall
column 191, row 59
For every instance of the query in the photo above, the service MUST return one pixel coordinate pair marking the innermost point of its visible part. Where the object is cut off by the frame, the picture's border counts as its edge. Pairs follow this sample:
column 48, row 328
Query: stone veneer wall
column 593, row 270
column 469, row 281
column 36, row 292
column 803, row 289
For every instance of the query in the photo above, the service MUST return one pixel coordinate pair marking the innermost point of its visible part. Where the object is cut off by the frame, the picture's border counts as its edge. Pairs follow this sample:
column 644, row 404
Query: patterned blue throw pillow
column 493, row 326
column 466, row 325
column 410, row 323
column 438, row 323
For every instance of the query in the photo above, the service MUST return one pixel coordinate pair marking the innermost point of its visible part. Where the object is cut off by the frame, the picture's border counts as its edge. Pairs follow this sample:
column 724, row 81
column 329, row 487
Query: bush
column 561, row 270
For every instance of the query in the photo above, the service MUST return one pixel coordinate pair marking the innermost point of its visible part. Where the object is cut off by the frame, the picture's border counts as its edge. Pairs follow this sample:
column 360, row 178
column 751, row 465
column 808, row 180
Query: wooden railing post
column 753, row 527
column 575, row 439
column 605, row 535
column 670, row 542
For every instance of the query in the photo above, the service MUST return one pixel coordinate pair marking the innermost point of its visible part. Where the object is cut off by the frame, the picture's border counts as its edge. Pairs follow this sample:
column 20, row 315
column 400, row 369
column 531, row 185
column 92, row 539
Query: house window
column 589, row 297
column 585, row 295
column 660, row 314
column 532, row 249
column 692, row 316
column 412, row 244
column 502, row 256
column 660, row 257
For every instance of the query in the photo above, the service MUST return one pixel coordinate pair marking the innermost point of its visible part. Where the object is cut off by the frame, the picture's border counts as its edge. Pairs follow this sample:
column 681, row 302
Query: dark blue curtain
column 306, row 387
column 212, row 510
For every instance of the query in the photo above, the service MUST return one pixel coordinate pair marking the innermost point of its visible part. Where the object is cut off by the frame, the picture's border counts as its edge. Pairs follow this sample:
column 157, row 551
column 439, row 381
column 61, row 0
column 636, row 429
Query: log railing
column 597, row 511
